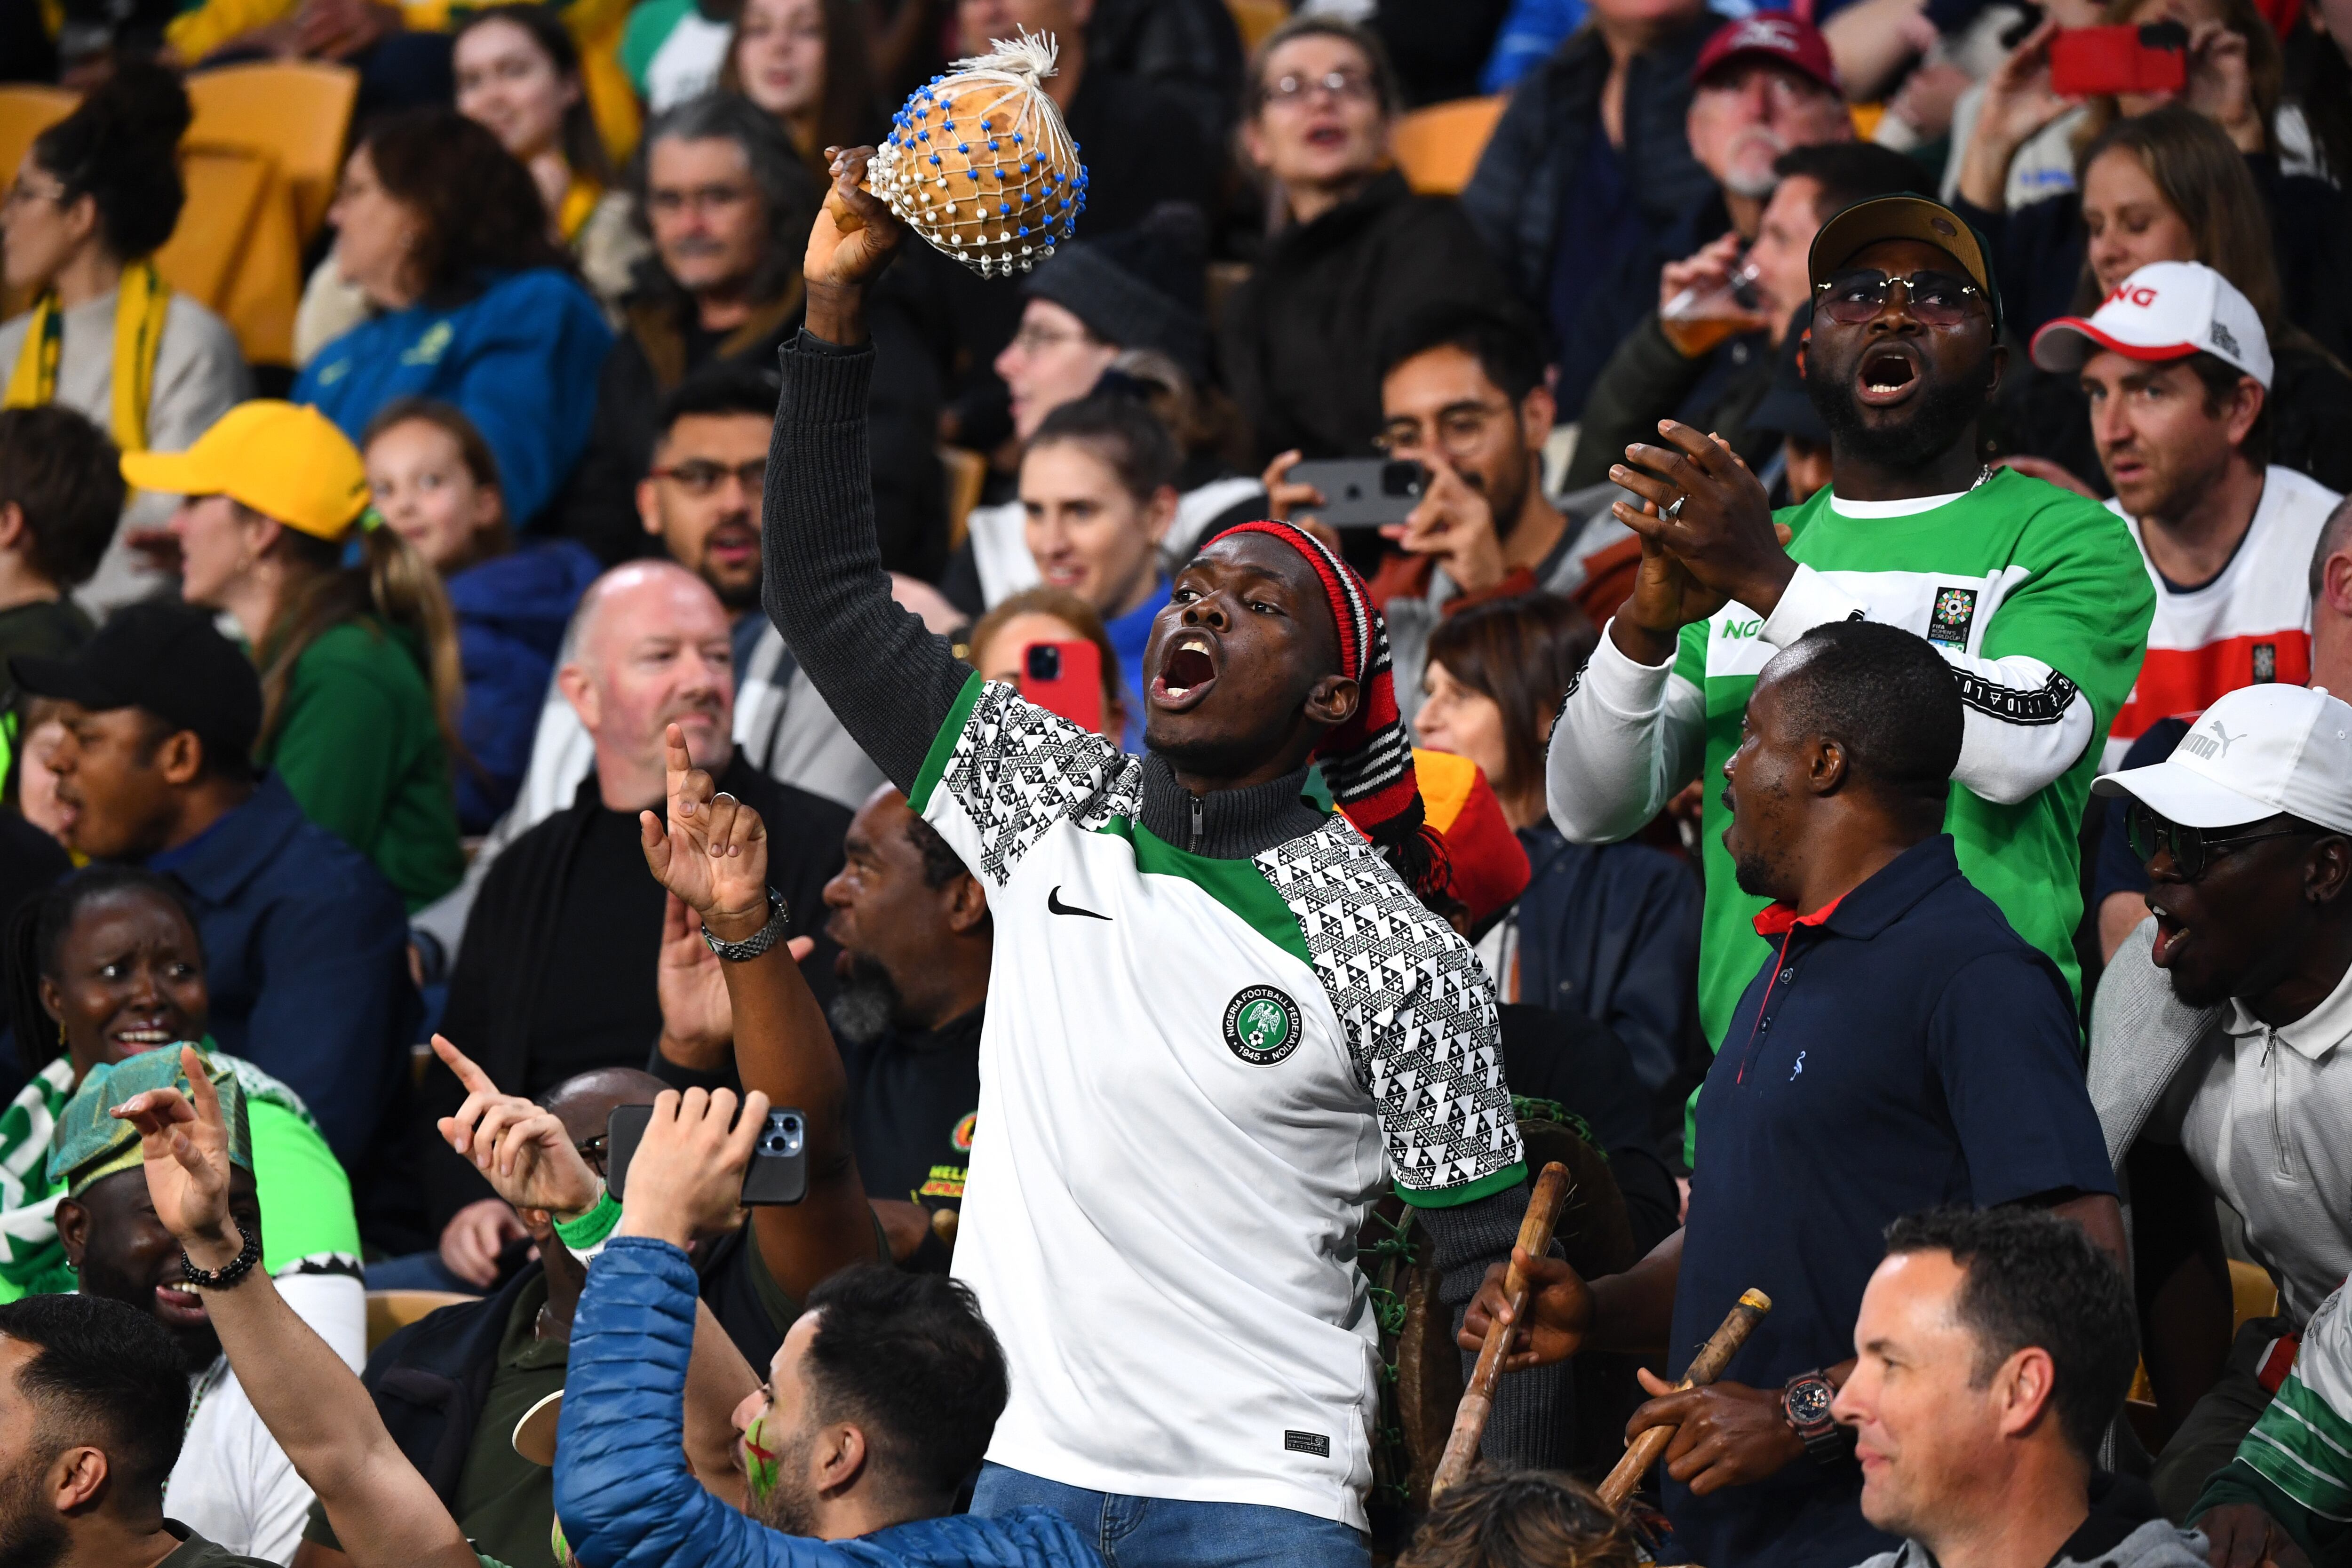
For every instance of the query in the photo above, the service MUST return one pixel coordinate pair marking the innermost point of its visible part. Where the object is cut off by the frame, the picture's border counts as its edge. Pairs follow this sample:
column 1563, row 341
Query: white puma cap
column 2260, row 751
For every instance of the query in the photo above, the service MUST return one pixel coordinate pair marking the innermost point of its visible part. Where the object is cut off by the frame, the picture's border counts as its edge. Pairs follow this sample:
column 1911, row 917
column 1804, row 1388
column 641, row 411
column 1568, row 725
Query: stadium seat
column 296, row 113
column 234, row 251
column 1438, row 147
column 389, row 1312
column 1257, row 18
column 967, row 471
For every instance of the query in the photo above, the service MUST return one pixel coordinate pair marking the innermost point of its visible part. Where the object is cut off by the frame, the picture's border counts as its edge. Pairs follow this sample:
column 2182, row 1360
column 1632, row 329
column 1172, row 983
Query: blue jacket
column 622, row 1489
column 305, row 953
column 511, row 612
column 1610, row 931
column 519, row 359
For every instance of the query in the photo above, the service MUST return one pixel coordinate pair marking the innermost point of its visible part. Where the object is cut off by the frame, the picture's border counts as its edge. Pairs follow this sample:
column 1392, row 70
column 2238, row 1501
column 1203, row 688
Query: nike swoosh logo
column 1054, row 903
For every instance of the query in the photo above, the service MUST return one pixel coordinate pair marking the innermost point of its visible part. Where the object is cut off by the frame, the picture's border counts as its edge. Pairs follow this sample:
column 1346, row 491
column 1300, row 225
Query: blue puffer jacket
column 626, row 1497
column 511, row 612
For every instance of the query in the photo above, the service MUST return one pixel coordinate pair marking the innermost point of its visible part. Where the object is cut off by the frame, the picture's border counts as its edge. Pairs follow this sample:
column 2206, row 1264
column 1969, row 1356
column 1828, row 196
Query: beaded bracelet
column 227, row 1274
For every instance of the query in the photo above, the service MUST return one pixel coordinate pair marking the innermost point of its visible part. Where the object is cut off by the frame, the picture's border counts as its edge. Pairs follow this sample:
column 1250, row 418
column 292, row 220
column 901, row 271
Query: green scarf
column 306, row 1199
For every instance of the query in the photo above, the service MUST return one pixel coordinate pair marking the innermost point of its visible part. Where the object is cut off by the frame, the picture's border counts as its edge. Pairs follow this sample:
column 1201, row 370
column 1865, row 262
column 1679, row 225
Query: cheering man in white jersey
column 1220, row 1022
column 2034, row 596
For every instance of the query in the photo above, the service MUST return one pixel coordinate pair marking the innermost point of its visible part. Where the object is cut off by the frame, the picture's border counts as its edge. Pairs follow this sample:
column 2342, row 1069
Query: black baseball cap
column 1904, row 216
column 165, row 657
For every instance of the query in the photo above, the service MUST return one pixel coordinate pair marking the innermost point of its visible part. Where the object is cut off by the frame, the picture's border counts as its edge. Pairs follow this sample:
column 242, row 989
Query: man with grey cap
column 2219, row 1032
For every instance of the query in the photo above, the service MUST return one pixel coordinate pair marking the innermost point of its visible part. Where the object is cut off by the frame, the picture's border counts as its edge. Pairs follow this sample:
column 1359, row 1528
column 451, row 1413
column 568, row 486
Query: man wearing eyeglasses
column 2218, row 1041
column 2034, row 596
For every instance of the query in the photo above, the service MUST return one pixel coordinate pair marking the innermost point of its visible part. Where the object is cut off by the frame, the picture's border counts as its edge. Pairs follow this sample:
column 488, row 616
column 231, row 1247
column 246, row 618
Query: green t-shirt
column 2015, row 567
column 360, row 747
column 307, row 1218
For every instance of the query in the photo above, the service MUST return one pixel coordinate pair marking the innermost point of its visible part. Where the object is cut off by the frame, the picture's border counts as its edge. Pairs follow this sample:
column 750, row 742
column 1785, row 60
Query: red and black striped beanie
column 1367, row 761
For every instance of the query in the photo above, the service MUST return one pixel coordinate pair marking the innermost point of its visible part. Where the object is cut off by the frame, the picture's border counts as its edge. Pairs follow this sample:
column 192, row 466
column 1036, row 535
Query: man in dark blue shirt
column 305, row 942
column 1904, row 1049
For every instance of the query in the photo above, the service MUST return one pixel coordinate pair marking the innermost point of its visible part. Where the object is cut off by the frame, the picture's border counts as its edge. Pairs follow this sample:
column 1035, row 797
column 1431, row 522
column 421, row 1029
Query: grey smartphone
column 1363, row 492
column 778, row 1173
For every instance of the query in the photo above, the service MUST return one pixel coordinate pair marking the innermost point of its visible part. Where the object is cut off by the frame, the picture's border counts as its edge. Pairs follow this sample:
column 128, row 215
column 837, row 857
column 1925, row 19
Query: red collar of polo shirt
column 1779, row 919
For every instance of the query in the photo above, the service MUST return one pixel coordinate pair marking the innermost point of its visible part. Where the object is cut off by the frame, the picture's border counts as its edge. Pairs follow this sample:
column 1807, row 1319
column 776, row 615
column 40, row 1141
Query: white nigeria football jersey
column 1195, row 1076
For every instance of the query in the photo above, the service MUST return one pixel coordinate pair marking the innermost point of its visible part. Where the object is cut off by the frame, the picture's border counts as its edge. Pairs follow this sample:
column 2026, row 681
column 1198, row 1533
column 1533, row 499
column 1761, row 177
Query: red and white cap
column 2165, row 310
column 1799, row 45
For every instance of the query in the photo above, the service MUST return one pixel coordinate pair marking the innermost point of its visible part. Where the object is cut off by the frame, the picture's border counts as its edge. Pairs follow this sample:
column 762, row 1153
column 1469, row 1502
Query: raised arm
column 384, row 1511
column 890, row 681
column 712, row 855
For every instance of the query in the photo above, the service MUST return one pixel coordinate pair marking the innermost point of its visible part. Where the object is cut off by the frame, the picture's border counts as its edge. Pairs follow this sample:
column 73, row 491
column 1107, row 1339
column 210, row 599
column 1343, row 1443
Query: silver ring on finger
column 1675, row 509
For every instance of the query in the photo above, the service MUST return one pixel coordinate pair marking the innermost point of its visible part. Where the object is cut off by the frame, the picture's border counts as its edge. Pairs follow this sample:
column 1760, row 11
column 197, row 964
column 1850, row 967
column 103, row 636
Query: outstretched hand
column 855, row 233
column 519, row 1146
column 185, row 1149
column 713, row 852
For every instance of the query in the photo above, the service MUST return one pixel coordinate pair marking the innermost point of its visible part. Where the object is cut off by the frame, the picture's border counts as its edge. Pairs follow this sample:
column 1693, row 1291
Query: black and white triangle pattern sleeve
column 1416, row 1006
column 1017, row 769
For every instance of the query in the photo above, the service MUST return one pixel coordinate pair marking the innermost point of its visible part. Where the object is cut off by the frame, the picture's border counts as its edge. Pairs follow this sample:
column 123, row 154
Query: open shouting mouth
column 1188, row 668
column 1889, row 374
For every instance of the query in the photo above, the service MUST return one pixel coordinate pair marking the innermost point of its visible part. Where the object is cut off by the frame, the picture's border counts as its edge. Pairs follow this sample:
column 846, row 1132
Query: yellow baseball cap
column 285, row 460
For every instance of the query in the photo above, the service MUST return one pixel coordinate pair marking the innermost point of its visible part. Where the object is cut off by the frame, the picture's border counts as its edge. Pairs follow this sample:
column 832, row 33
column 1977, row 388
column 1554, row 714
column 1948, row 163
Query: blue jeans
column 1163, row 1532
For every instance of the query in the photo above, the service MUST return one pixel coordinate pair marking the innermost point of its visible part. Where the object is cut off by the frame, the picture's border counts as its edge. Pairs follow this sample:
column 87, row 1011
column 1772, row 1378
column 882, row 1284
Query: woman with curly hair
column 446, row 233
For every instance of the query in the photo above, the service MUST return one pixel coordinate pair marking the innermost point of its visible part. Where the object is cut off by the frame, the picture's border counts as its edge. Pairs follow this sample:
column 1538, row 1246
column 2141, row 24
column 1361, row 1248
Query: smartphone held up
column 778, row 1173
column 2099, row 62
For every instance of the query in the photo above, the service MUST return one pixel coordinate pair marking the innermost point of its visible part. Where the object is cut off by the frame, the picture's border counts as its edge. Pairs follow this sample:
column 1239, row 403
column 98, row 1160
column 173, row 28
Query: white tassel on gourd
column 980, row 165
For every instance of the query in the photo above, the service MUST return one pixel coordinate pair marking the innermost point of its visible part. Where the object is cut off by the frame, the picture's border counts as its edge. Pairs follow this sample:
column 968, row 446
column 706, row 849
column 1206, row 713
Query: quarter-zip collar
column 2311, row 1037
column 1226, row 824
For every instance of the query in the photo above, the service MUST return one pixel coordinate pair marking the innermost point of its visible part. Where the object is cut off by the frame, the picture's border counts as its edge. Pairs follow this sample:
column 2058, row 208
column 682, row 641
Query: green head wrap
column 91, row 1145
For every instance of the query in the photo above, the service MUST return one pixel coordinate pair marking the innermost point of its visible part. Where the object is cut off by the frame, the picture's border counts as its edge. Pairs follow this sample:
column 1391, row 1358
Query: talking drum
column 980, row 165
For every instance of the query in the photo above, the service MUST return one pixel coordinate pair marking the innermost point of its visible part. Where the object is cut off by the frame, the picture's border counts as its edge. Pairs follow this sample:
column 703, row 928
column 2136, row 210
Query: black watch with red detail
column 1805, row 1404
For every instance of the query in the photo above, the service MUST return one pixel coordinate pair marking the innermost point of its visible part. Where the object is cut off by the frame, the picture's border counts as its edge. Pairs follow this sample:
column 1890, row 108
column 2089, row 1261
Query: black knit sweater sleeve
column 890, row 681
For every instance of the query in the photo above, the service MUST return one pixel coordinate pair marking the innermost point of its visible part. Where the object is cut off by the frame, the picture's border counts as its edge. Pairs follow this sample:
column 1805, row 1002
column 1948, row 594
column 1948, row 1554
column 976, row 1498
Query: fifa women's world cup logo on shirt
column 1262, row 1024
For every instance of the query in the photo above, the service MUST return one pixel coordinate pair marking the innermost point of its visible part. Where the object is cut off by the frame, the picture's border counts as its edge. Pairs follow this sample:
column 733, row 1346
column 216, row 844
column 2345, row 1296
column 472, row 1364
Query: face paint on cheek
column 760, row 1466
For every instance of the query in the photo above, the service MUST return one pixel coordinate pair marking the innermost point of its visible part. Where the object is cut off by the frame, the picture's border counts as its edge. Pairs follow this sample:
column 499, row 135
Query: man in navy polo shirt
column 1903, row 1049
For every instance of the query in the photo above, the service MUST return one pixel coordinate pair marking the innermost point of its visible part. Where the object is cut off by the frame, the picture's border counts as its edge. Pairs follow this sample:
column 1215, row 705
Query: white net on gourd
column 980, row 165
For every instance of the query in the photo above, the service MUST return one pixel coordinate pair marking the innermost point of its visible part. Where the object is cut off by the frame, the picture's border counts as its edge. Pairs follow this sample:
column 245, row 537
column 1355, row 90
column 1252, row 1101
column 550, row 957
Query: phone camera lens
column 1044, row 662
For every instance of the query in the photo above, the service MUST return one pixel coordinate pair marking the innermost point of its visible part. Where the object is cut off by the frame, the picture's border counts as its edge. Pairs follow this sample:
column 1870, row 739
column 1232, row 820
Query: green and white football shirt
column 2036, row 597
column 1196, row 1074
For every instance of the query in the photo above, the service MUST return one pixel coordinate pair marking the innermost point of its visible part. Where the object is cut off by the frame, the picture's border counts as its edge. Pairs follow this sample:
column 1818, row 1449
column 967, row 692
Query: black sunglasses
column 2192, row 850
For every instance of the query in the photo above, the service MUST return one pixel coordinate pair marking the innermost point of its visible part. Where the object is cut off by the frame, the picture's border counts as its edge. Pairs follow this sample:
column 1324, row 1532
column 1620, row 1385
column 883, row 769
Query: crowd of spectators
column 666, row 678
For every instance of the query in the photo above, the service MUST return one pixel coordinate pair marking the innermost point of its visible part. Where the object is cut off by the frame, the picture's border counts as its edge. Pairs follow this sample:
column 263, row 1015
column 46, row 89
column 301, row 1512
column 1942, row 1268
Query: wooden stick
column 1479, row 1399
column 1705, row 1368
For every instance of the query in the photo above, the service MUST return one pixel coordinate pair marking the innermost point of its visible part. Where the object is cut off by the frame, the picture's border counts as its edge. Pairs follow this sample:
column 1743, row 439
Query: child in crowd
column 359, row 664
column 436, row 481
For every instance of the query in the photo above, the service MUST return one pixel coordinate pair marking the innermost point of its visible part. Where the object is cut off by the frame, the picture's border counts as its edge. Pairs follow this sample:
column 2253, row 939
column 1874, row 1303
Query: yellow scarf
column 580, row 199
column 138, row 313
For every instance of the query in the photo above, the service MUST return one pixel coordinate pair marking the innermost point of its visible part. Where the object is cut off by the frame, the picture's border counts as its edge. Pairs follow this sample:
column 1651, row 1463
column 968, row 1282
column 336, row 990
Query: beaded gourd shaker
column 980, row 165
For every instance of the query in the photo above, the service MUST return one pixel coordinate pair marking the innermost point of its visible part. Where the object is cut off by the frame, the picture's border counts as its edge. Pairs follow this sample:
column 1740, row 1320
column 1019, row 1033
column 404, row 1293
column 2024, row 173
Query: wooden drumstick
column 1705, row 1368
column 1479, row 1399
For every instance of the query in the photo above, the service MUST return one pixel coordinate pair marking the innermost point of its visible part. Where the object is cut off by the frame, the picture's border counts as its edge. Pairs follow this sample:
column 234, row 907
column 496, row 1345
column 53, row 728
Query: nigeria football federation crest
column 1262, row 1024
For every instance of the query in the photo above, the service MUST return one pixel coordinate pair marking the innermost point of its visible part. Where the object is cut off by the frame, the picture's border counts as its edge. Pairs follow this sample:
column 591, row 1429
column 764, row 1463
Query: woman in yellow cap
column 360, row 678
column 97, row 195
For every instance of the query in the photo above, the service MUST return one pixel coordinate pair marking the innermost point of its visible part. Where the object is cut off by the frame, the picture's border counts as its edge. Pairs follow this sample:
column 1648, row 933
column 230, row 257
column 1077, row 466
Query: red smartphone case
column 2097, row 62
column 1077, row 693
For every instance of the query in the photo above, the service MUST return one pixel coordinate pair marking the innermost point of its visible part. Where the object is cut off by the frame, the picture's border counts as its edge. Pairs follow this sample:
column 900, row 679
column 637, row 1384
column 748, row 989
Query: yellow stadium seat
column 26, row 111
column 296, row 113
column 2252, row 1294
column 1438, row 147
column 1257, row 18
column 1865, row 117
column 389, row 1312
column 967, row 472
column 236, row 251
